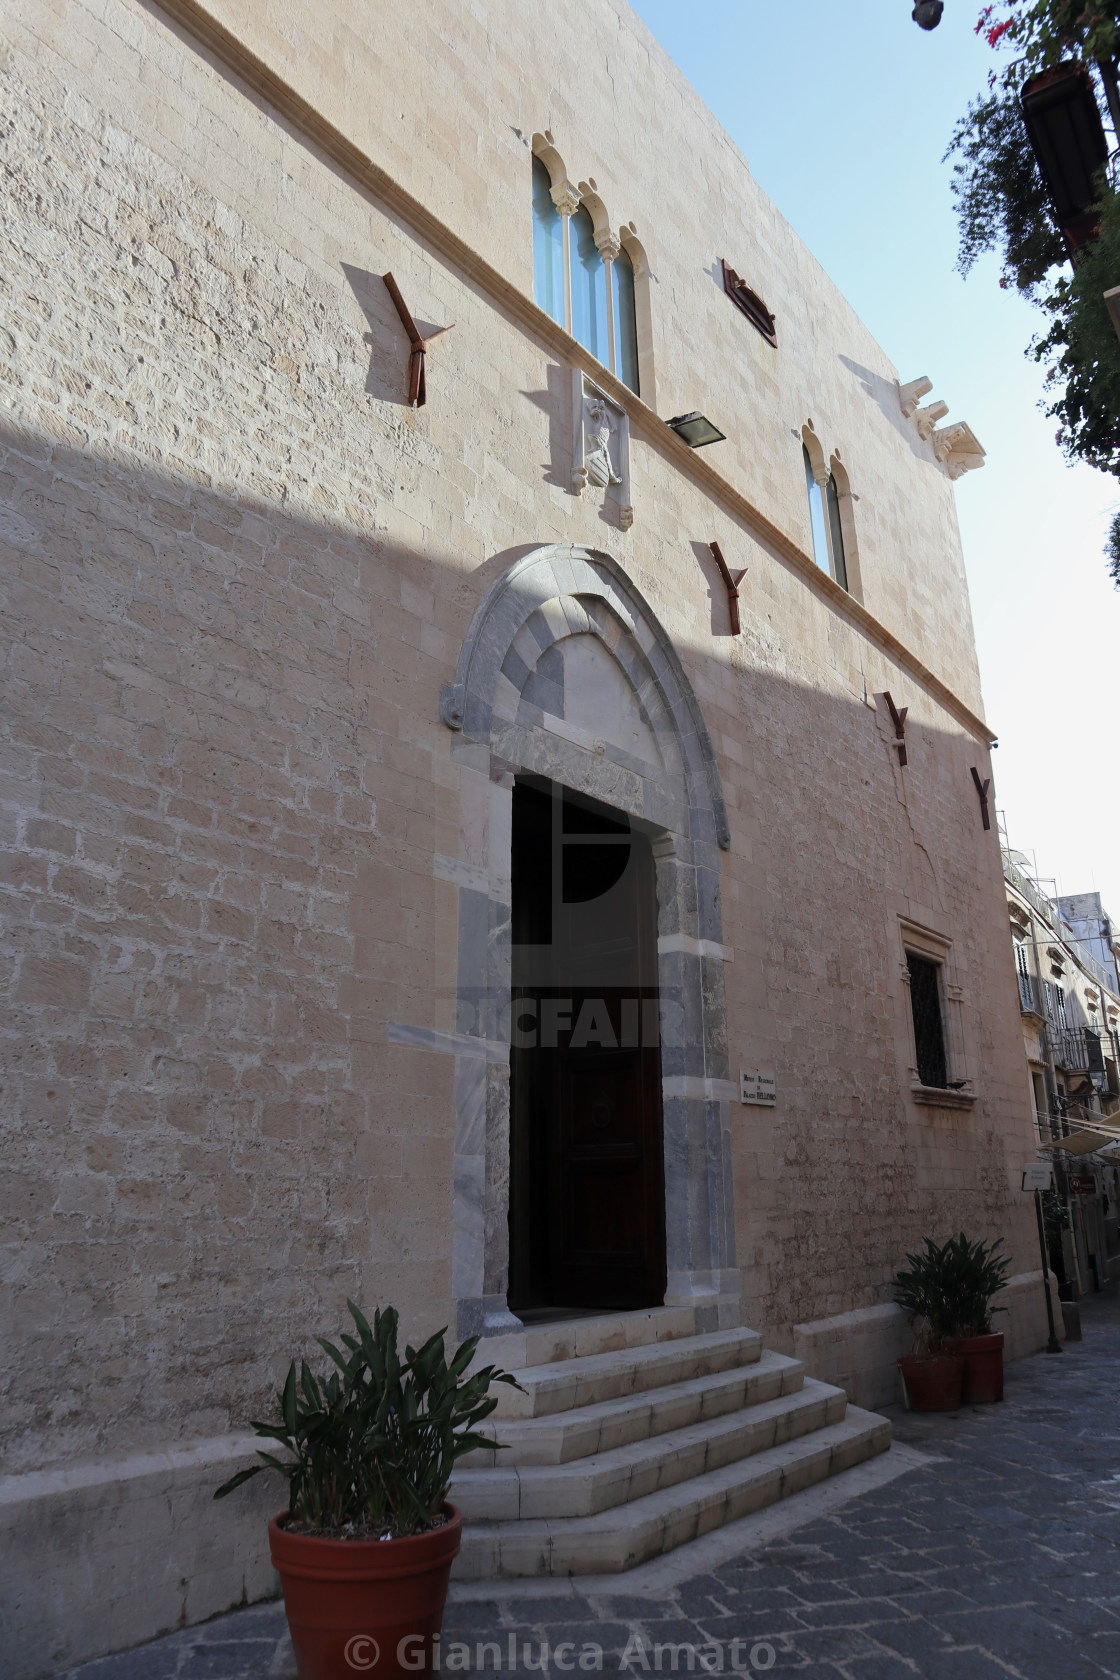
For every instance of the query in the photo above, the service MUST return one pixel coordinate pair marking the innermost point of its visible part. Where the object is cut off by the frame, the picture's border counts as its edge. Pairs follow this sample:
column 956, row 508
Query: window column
column 566, row 199
column 821, row 478
column 608, row 246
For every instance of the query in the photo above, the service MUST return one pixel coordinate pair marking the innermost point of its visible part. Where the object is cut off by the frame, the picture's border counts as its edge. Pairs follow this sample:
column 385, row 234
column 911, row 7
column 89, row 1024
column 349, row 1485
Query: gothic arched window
column 625, row 320
column 548, row 246
column 592, row 287
column 589, row 288
column 824, row 516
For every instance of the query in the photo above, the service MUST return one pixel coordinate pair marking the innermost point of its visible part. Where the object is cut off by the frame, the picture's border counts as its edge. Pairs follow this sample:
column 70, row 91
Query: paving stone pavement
column 1002, row 1559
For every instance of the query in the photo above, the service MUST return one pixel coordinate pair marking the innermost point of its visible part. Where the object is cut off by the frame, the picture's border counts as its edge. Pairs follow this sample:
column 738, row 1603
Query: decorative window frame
column 826, row 467
column 569, row 197
column 927, row 942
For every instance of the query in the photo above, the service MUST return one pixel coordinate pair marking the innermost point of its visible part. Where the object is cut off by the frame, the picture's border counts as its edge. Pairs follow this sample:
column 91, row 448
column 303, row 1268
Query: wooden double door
column 587, row 1192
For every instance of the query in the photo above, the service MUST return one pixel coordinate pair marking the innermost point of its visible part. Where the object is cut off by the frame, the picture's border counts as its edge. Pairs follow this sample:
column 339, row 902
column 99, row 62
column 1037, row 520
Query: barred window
column 929, row 1023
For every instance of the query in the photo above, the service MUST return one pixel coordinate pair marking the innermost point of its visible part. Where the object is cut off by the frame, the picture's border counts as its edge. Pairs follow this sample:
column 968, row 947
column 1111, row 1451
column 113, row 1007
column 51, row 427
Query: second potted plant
column 933, row 1379
column 948, row 1292
column 365, row 1548
column 978, row 1273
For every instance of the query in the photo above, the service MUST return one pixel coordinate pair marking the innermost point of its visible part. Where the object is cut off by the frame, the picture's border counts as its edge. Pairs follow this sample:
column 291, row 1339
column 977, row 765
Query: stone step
column 629, row 1534
column 626, row 1473
column 561, row 1437
column 573, row 1338
column 586, row 1381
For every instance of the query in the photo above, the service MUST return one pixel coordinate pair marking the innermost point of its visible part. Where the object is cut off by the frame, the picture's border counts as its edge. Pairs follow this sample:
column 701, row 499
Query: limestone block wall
column 237, row 571
column 622, row 116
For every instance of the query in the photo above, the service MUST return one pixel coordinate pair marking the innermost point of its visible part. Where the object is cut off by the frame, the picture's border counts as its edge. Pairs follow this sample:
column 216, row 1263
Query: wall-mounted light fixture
column 695, row 430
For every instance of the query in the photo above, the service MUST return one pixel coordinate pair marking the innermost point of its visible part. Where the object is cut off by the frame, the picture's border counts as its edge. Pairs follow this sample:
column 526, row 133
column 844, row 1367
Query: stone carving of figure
column 600, row 469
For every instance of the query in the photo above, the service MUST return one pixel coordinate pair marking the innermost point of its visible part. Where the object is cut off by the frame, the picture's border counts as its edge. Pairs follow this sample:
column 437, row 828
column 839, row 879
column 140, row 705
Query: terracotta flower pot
column 983, row 1366
column 364, row 1607
column 934, row 1385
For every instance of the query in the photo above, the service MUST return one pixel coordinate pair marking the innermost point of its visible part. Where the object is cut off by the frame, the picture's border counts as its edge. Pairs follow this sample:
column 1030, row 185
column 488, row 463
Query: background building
column 329, row 713
column 1069, row 998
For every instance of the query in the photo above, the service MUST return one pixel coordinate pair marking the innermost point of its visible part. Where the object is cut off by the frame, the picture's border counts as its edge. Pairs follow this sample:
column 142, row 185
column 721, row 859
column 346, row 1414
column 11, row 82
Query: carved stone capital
column 945, row 439
column 452, row 704
column 566, row 198
column 608, row 245
column 958, row 448
column 910, row 394
column 926, row 418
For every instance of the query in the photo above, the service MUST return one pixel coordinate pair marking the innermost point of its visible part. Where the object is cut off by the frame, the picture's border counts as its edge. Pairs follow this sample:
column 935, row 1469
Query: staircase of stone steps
column 633, row 1434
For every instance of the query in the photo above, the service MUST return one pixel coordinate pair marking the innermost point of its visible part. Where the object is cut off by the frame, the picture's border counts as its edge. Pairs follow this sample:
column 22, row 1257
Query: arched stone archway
column 567, row 674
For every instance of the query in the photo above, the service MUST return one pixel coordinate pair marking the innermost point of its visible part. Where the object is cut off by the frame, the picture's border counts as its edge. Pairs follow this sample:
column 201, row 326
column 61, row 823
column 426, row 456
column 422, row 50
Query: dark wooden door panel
column 587, row 1198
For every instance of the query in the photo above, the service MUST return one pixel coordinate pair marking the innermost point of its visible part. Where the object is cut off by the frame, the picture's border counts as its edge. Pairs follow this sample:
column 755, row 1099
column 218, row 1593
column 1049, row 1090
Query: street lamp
column 927, row 13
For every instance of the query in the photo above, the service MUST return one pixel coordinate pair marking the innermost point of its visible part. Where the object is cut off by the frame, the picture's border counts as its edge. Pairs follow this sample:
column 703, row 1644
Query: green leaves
column 1082, row 352
column 950, row 1287
column 1001, row 200
column 1050, row 31
column 374, row 1442
column 1003, row 206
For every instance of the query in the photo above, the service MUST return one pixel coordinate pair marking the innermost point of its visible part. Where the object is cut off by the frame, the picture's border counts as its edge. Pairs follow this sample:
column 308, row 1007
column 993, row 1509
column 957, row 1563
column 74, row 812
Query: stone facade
column 244, row 838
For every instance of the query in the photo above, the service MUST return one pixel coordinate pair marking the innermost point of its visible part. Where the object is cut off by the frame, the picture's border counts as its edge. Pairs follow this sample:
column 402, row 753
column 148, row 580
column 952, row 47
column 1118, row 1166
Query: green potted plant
column 948, row 1293
column 977, row 1273
column 365, row 1547
column 933, row 1379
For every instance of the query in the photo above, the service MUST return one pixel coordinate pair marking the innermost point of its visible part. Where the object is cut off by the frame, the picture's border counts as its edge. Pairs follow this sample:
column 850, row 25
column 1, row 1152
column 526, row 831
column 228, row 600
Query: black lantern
column 1063, row 123
column 927, row 13
column 694, row 430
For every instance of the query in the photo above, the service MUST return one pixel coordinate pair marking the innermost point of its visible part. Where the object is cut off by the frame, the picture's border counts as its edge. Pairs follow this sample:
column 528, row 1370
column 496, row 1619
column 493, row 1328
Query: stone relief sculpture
column 601, row 439
column 599, row 467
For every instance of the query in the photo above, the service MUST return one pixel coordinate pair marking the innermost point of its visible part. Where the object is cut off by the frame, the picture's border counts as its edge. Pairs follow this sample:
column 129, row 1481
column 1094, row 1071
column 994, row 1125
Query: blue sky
column 843, row 109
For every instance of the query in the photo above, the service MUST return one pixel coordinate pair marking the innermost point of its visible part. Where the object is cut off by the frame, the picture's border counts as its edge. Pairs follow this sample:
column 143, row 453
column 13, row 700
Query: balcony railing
column 1081, row 1050
column 1024, row 885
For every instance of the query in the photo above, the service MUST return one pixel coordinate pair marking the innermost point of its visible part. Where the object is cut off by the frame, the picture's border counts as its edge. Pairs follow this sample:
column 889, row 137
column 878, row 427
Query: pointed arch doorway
column 566, row 680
